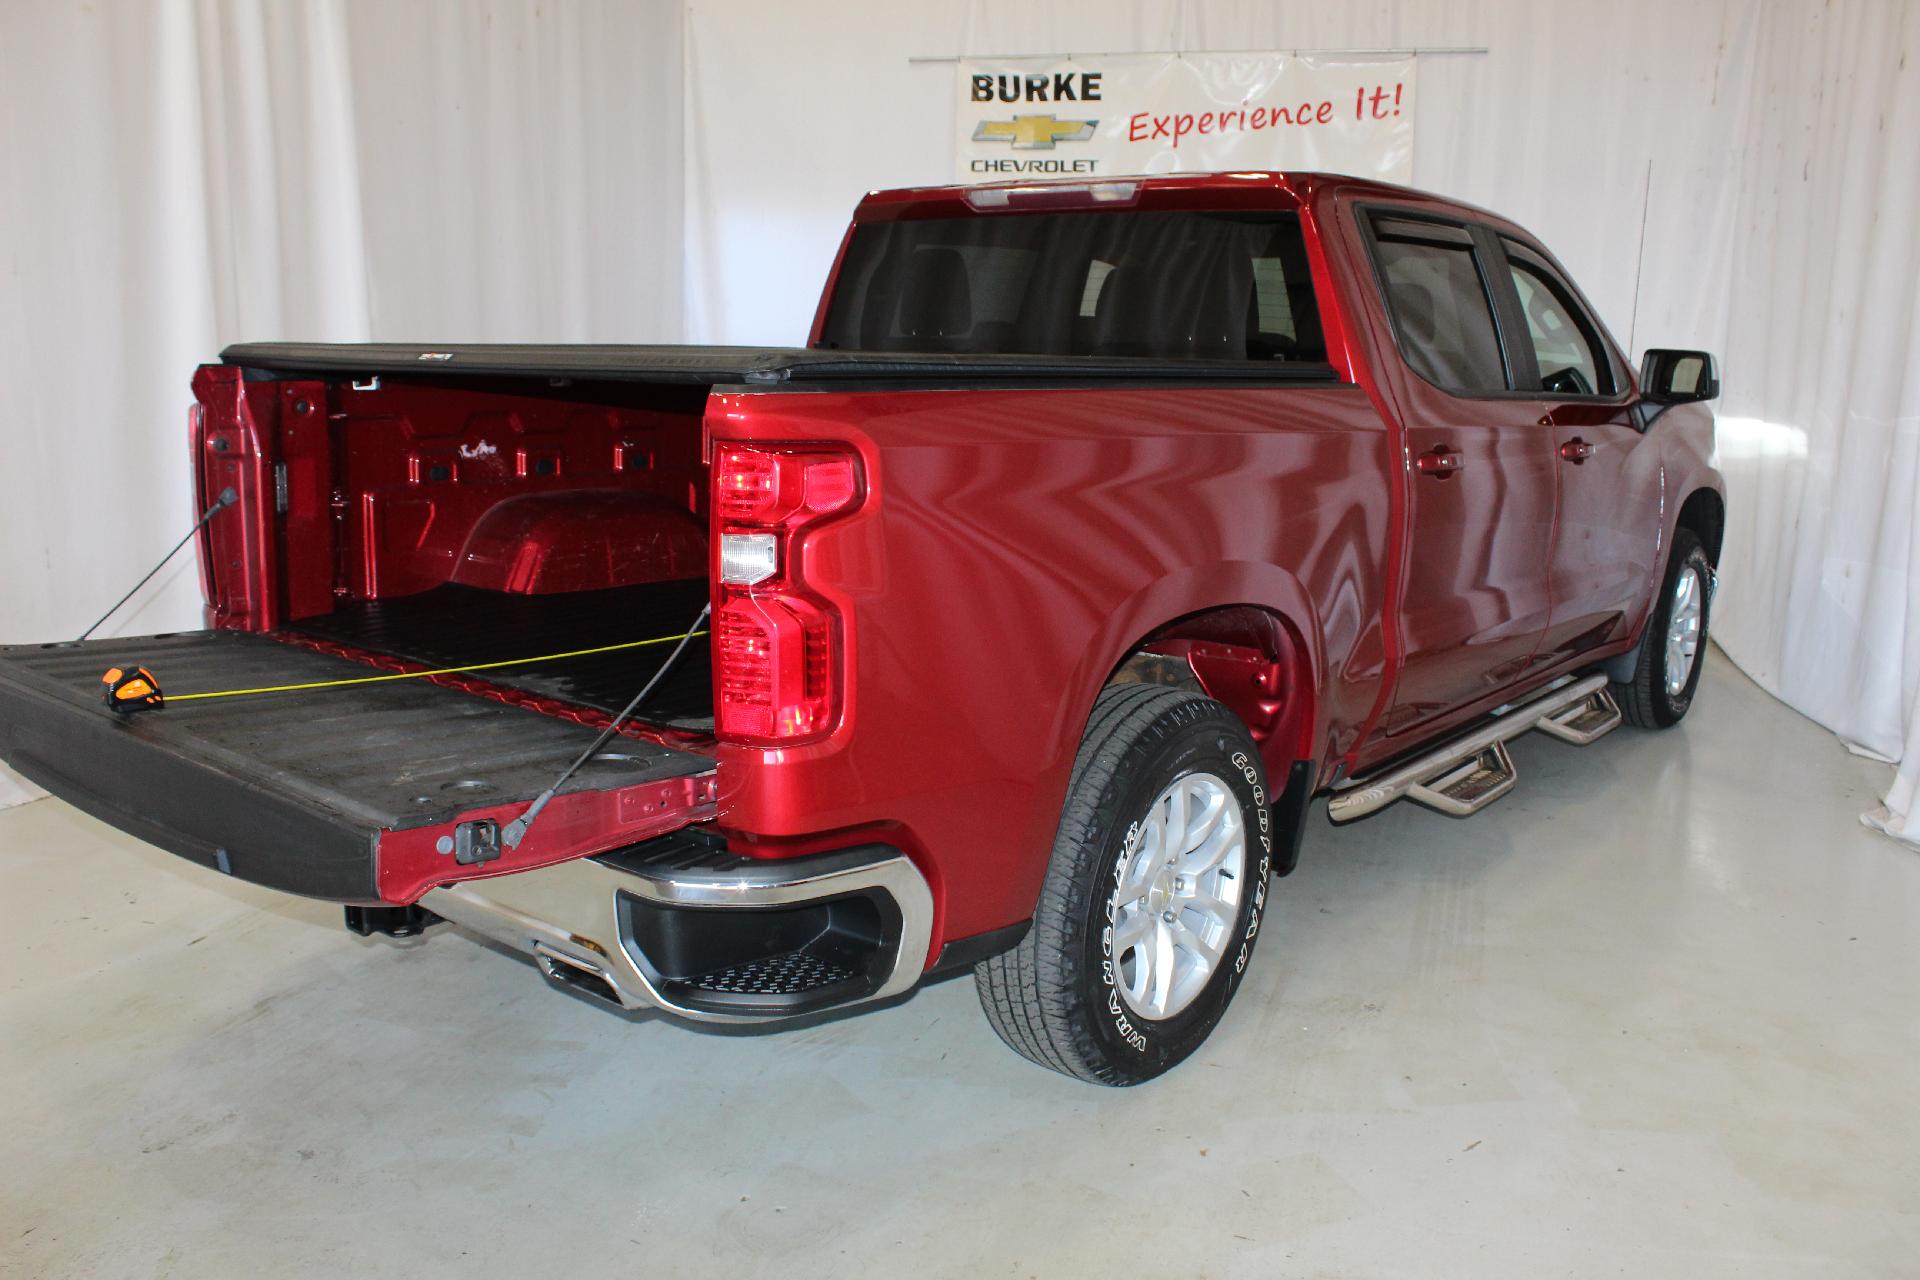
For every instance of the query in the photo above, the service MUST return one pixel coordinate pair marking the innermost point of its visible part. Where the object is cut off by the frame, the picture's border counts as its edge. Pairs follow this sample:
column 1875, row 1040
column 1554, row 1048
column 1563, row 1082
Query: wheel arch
column 1231, row 604
column 1705, row 513
column 1262, row 663
column 1252, row 658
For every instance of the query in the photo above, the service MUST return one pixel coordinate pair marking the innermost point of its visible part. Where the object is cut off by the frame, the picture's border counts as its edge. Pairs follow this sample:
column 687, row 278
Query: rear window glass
column 1176, row 285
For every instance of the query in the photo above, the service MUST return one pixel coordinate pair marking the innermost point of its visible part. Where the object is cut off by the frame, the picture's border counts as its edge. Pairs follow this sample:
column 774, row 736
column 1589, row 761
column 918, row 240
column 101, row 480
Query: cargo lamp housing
column 777, row 646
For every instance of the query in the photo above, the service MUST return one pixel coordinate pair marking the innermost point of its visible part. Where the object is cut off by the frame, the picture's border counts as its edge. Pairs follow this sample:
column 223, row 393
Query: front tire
column 1153, row 897
column 1674, row 648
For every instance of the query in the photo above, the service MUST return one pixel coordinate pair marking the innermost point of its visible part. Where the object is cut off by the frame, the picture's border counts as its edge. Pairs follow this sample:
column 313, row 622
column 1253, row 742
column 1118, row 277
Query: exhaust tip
column 577, row 975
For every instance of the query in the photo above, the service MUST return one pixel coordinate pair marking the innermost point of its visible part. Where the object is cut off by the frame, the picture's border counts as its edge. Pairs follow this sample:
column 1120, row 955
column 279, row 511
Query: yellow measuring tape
column 442, row 671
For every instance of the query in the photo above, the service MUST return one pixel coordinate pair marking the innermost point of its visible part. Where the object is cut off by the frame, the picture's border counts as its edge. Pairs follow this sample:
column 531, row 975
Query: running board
column 1465, row 775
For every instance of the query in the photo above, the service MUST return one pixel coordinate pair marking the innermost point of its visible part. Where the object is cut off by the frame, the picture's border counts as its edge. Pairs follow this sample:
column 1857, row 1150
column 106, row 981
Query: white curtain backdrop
column 1740, row 175
column 184, row 175
column 1734, row 174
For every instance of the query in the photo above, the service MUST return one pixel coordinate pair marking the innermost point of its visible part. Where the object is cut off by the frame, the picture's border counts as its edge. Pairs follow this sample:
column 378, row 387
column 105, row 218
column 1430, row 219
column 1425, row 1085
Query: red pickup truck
column 1098, row 528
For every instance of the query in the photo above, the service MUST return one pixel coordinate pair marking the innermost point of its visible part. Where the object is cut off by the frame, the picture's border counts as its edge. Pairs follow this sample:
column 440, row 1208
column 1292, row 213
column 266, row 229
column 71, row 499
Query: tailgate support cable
column 226, row 499
column 516, row 831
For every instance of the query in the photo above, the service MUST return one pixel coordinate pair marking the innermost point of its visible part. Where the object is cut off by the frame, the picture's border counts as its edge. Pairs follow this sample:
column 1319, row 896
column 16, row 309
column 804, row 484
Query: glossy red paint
column 1011, row 548
column 1067, row 526
column 1475, row 602
column 411, row 861
column 1454, row 598
column 546, row 543
column 398, row 489
column 440, row 482
column 237, row 561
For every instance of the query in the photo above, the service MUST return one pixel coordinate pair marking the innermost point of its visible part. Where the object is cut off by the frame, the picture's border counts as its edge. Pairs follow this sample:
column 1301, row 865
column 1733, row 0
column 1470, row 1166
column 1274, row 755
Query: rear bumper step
column 677, row 924
column 1466, row 774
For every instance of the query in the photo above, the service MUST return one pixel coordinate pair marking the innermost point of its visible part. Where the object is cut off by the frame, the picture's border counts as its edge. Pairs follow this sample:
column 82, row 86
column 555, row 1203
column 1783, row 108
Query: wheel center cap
column 1160, row 895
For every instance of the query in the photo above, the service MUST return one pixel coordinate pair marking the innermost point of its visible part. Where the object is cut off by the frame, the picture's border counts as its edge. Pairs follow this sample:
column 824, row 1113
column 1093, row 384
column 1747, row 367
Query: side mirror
column 1668, row 376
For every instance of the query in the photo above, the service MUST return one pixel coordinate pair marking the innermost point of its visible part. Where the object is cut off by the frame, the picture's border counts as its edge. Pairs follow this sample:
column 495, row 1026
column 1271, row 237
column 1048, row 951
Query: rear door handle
column 1576, row 451
column 1439, row 462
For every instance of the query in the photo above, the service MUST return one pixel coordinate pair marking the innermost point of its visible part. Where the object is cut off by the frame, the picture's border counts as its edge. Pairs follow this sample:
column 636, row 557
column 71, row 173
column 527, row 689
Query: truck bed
column 290, row 790
column 456, row 625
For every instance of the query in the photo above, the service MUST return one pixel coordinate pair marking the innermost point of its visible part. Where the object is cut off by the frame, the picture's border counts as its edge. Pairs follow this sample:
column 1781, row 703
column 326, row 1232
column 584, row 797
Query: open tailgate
column 354, row 794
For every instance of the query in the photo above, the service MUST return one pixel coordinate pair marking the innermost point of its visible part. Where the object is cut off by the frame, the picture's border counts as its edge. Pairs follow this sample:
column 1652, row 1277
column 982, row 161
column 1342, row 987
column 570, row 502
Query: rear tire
column 1661, row 690
column 1086, row 992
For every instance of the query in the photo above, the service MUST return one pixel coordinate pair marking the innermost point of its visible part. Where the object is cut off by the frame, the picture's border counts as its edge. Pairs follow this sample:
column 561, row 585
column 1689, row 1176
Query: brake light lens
column 774, row 668
column 777, row 645
column 756, row 486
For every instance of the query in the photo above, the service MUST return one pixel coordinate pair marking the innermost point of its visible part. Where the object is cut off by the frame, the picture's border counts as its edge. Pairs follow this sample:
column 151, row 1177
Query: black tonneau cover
column 743, row 365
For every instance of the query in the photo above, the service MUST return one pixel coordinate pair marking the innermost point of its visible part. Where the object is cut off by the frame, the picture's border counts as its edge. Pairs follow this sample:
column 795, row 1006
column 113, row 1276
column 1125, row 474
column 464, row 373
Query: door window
column 1442, row 311
column 1567, row 347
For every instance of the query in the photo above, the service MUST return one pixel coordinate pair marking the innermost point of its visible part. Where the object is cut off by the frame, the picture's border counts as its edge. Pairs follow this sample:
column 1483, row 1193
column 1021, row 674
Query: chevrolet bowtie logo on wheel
column 1034, row 133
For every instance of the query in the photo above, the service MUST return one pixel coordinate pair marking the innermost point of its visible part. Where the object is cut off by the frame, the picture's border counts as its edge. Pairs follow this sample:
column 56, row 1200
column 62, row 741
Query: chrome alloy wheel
column 1177, row 895
column 1683, row 628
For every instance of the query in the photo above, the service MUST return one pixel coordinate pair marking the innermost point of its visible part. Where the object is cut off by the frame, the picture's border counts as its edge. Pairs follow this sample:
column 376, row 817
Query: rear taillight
column 776, row 645
column 763, row 488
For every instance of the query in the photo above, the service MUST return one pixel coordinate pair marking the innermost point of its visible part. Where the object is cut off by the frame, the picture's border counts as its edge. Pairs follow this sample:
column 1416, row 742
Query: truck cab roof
column 1262, row 189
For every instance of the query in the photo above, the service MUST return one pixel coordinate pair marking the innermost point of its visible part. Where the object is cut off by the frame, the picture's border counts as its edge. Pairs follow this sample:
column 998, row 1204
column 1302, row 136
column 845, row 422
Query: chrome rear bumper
column 636, row 928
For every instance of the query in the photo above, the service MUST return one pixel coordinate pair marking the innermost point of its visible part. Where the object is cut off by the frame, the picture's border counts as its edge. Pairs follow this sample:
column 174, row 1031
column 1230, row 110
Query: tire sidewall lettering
column 1123, row 1026
column 1251, row 772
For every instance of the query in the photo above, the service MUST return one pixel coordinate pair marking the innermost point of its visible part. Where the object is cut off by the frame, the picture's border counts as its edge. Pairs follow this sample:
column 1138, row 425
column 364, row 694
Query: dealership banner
column 1158, row 113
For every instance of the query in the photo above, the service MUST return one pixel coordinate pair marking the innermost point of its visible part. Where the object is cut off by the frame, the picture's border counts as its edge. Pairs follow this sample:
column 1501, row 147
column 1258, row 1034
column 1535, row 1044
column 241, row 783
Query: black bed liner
column 454, row 625
column 287, row 790
column 748, row 365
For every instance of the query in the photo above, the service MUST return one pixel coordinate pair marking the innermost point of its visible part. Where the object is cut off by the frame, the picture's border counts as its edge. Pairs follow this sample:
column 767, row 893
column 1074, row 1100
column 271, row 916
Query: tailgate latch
column 476, row 842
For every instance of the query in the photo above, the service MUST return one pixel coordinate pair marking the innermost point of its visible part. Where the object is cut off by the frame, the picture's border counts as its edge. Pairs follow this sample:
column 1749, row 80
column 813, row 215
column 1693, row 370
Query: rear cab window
column 1179, row 285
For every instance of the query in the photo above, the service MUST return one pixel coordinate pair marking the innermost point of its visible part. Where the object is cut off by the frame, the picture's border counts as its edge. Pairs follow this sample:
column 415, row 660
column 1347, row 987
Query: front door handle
column 1439, row 462
column 1576, row 451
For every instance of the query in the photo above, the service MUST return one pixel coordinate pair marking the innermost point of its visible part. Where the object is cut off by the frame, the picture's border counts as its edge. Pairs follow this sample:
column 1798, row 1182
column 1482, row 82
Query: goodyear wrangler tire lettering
column 1254, row 778
column 1108, row 972
column 1165, row 834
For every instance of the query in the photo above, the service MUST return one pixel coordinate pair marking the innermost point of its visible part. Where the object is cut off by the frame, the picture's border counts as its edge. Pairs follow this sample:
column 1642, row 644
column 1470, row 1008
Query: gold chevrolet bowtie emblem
column 1034, row 133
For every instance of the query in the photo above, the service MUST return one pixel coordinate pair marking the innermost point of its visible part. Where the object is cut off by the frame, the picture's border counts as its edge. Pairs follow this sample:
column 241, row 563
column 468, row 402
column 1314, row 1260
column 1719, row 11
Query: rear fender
column 1259, row 655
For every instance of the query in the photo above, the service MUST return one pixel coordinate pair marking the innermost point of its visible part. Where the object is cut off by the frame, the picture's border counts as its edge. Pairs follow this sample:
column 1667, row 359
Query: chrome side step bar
column 1466, row 789
column 1465, row 775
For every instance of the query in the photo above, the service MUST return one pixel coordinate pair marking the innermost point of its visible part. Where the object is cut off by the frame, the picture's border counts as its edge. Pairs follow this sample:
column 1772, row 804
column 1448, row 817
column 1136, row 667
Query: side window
column 1441, row 309
column 1273, row 306
column 1097, row 273
column 1284, row 321
column 1572, row 359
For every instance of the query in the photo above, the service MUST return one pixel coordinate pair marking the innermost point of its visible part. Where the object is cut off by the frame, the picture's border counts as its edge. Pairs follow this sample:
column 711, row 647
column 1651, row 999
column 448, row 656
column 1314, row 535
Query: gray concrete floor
column 1656, row 1013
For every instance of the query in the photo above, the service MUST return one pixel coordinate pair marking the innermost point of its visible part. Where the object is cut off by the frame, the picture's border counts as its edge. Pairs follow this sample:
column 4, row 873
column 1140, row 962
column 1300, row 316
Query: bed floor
column 455, row 626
